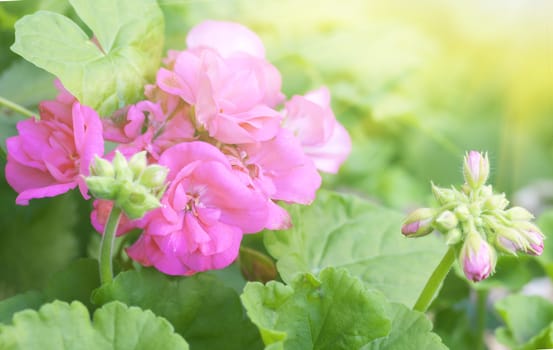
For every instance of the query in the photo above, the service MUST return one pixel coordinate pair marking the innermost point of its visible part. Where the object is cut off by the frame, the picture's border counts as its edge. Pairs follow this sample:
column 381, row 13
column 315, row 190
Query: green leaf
column 346, row 231
column 333, row 311
column 130, row 35
column 59, row 325
column 528, row 320
column 206, row 312
column 410, row 330
column 76, row 282
column 34, row 242
column 28, row 300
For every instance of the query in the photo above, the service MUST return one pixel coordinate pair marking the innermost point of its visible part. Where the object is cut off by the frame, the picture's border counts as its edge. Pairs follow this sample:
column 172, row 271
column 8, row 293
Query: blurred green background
column 416, row 83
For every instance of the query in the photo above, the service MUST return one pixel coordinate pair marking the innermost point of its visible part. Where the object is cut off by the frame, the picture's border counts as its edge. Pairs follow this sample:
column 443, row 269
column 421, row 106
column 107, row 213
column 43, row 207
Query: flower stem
column 15, row 107
column 106, row 246
column 437, row 277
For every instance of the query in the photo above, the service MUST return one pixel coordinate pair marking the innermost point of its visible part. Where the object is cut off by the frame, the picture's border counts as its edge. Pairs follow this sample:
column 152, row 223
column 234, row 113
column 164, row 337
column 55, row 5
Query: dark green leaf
column 206, row 312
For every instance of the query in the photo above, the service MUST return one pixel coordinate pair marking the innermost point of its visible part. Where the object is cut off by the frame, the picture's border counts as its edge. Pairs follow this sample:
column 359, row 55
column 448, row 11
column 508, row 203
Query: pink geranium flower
column 232, row 87
column 323, row 138
column 50, row 156
column 204, row 213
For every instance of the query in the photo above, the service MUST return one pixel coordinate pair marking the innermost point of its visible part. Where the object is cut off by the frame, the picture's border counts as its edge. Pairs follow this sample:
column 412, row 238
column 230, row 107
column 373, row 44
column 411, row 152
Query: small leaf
column 410, row 330
column 130, row 37
column 346, row 231
column 334, row 311
column 206, row 312
column 528, row 320
column 59, row 325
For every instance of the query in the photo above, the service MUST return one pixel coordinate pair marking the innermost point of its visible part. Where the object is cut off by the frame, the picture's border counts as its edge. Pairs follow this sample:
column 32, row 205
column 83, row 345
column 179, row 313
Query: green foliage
column 75, row 282
column 206, row 312
column 331, row 311
column 528, row 320
column 410, row 330
column 34, row 242
column 59, row 325
column 130, row 38
column 346, row 231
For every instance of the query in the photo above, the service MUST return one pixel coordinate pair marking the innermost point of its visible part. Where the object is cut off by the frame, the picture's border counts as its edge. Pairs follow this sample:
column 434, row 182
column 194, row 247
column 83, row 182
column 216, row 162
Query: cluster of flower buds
column 133, row 186
column 476, row 221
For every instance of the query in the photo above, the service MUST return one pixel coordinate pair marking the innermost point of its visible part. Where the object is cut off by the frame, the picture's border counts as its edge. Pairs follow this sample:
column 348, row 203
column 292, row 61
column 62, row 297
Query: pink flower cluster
column 217, row 119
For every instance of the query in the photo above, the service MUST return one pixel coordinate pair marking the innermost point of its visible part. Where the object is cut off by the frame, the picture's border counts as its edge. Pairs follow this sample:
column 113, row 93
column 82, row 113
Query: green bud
column 102, row 187
column 154, row 176
column 446, row 221
column 121, row 167
column 136, row 200
column 462, row 213
column 496, row 202
column 444, row 195
column 453, row 236
column 138, row 163
column 518, row 214
column 101, row 167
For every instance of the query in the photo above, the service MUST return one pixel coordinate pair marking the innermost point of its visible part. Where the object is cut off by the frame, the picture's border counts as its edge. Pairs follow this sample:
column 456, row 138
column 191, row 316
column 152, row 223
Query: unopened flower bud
column 476, row 169
column 477, row 258
column 121, row 167
column 102, row 187
column 507, row 245
column 518, row 214
column 138, row 163
column 535, row 238
column 453, row 236
column 101, row 167
column 462, row 213
column 136, row 201
column 446, row 221
column 418, row 223
column 496, row 202
column 443, row 195
column 154, row 176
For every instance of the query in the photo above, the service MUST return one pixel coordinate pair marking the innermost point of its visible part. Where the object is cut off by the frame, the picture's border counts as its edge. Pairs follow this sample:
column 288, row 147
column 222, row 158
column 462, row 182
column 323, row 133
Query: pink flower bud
column 477, row 258
column 418, row 223
column 536, row 243
column 476, row 169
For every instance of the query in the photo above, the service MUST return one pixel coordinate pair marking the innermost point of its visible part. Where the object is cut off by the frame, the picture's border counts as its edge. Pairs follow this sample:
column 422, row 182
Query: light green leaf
column 346, row 231
column 115, row 326
column 333, row 311
column 410, row 330
column 528, row 320
column 130, row 34
column 206, row 312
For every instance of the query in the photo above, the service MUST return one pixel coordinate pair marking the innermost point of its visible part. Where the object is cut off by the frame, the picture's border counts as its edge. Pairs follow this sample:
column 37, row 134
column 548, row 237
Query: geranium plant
column 202, row 181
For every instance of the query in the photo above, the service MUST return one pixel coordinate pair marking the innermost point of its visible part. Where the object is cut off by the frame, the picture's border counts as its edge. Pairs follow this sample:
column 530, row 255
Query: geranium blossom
column 50, row 156
column 204, row 213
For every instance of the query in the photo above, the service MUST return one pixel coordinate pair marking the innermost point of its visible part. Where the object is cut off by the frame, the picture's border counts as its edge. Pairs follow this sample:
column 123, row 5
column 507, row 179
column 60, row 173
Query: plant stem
column 15, row 107
column 435, row 280
column 106, row 246
column 481, row 299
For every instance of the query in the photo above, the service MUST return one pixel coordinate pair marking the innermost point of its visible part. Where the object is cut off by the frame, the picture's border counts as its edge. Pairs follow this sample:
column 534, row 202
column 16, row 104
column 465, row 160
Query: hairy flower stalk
column 477, row 225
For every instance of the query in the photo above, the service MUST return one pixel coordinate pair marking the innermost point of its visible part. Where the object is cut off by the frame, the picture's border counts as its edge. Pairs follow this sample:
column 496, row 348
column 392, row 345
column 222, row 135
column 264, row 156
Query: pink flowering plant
column 211, row 212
